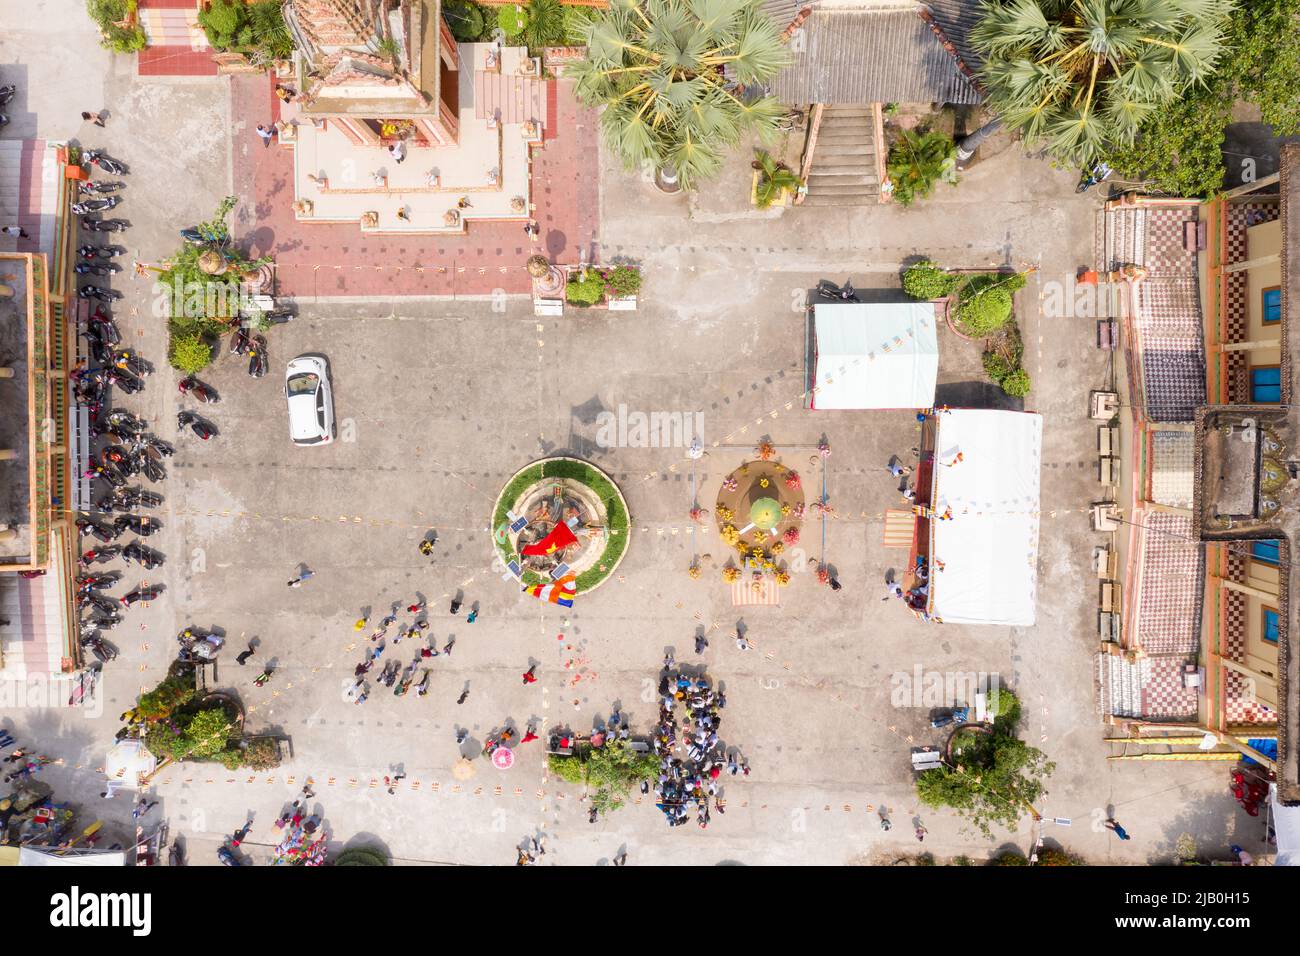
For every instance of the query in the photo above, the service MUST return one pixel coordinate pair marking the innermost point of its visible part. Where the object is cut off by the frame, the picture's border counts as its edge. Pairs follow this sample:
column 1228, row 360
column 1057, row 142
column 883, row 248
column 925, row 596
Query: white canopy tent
column 1286, row 824
column 128, row 762
column 875, row 355
column 984, row 557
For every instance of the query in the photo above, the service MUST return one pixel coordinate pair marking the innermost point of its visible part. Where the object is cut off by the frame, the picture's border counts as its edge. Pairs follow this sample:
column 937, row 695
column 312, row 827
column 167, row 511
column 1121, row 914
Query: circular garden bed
column 568, row 490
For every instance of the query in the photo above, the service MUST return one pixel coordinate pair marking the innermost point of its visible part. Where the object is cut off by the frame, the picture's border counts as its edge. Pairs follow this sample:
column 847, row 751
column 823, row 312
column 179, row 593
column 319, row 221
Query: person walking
column 701, row 642
column 397, row 151
column 897, row 469
column 530, row 675
column 455, row 605
column 242, row 657
column 464, row 696
column 361, row 623
column 261, row 679
column 742, row 642
column 415, row 608
column 96, row 118
column 16, row 232
column 529, row 734
column 1113, row 825
column 473, row 615
column 266, row 134
column 305, row 575
column 446, row 648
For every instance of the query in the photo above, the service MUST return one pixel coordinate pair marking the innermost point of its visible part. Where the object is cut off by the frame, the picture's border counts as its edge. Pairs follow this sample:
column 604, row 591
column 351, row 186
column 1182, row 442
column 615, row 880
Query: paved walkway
column 335, row 259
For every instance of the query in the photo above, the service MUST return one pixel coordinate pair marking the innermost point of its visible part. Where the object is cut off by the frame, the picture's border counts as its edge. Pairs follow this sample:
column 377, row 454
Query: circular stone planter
column 554, row 489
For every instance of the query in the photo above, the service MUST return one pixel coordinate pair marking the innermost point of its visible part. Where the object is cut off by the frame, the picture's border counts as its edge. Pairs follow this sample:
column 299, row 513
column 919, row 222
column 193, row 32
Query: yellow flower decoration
column 783, row 578
column 778, row 548
column 730, row 574
column 785, row 510
column 763, row 482
column 694, row 572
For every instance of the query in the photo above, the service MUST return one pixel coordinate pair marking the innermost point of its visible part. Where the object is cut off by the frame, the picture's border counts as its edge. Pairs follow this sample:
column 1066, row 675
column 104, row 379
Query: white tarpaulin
column 984, row 558
column 875, row 355
column 30, row 856
column 1286, row 824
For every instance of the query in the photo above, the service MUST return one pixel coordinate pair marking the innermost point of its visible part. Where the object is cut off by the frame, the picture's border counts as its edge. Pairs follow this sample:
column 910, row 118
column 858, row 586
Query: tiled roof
column 871, row 56
column 958, row 18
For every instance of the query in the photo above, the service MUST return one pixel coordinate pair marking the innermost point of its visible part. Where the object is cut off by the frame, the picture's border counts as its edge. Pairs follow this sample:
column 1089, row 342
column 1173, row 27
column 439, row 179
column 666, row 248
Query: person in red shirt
column 529, row 676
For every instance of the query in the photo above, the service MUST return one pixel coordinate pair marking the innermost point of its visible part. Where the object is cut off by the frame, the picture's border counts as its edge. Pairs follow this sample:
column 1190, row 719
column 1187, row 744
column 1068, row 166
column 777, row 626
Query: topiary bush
column 568, row 769
column 362, row 856
column 465, row 20
column 981, row 311
column 926, row 281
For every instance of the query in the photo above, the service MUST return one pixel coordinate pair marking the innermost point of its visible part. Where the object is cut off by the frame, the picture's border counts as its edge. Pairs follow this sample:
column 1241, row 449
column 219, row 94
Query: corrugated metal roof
column 865, row 56
column 957, row 18
column 783, row 12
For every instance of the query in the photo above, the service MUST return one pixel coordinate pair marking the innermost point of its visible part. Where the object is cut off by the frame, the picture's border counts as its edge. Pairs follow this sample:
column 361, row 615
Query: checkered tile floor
column 1173, row 572
column 1163, row 695
column 1239, row 704
column 1240, row 217
column 1163, row 252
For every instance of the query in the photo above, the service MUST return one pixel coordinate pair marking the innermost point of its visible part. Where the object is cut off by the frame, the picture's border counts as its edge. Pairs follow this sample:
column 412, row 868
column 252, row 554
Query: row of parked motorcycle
column 131, row 450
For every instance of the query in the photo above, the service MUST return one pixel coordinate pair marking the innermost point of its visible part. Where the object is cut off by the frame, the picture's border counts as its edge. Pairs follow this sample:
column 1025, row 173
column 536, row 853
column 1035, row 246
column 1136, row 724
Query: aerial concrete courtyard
column 439, row 401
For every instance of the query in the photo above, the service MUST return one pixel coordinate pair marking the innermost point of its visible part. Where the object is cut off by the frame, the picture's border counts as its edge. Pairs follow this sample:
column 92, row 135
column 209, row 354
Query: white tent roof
column 989, row 548
column 875, row 355
column 30, row 856
column 1286, row 824
column 128, row 761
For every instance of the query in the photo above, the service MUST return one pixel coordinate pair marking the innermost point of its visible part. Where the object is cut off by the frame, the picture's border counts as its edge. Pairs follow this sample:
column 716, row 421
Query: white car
column 311, row 406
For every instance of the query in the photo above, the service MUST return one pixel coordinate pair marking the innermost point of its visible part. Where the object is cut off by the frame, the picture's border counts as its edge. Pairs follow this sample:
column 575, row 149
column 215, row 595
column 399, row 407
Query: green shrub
column 926, row 281
column 568, row 769
column 107, row 14
column 208, row 732
column 262, row 753
column 623, row 280
column 996, row 367
column 362, row 856
column 981, row 311
column 168, row 696
column 231, row 759
column 586, row 293
column 465, row 20
column 256, row 31
column 190, row 352
column 544, row 26
column 1052, row 856
column 1009, row 859
column 512, row 19
column 917, row 161
column 1016, row 384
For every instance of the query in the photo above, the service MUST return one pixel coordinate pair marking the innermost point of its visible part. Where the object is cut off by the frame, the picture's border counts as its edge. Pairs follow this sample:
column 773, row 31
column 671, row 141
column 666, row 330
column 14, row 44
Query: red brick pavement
column 335, row 259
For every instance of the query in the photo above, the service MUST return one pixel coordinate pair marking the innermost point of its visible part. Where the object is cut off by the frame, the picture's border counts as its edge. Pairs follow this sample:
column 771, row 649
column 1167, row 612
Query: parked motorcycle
column 156, row 447
column 241, row 341
column 99, row 204
column 96, row 530
column 126, row 381
column 89, row 251
column 96, row 582
column 101, row 187
column 198, row 390
column 141, row 594
column 104, row 225
column 104, row 326
column 96, row 292
column 4, row 120
column 103, row 621
column 85, row 601
column 278, row 316
column 97, row 159
column 7, row 93
column 111, row 475
column 127, row 498
column 129, row 360
column 143, row 525
column 120, row 418
column 100, row 555
column 137, row 553
column 257, row 358
column 1094, row 174
column 196, row 237
column 829, row 290
column 200, row 426
column 150, row 467
column 176, row 854
column 96, row 269
column 103, row 651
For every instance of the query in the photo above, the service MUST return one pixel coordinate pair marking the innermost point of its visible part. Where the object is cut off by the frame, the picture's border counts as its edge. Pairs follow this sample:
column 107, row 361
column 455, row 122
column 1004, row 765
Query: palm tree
column 681, row 80
column 773, row 179
column 1082, row 75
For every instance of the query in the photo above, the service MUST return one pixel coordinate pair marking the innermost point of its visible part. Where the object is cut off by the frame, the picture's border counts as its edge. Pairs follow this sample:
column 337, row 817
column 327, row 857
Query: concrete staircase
column 843, row 169
column 1119, row 685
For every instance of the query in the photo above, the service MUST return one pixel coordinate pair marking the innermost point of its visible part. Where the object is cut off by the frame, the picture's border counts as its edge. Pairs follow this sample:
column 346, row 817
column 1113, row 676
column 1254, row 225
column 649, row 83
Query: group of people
column 28, row 764
column 691, row 782
column 392, row 673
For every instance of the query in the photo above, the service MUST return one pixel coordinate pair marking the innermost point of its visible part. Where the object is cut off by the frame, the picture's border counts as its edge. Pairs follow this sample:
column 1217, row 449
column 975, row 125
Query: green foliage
column 108, row 15
column 362, row 856
column 512, row 19
column 1080, row 77
column 256, row 31
column 465, row 20
column 578, row 22
column 390, row 48
column 568, row 769
column 773, row 179
column 1054, row 856
column 918, row 160
column 926, row 281
column 1009, row 859
column 994, row 778
column 173, row 693
column 189, row 352
column 585, row 292
column 1002, row 365
column 623, row 281
column 208, row 732
column 546, row 25
column 667, row 99
column 613, row 770
column 1017, row 383
column 984, row 312
column 1179, row 147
